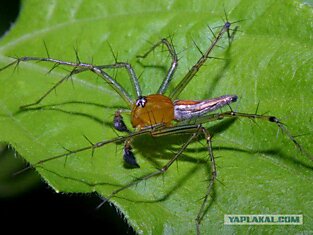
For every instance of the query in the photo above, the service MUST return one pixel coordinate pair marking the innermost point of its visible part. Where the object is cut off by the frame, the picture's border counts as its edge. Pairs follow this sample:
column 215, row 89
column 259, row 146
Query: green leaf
column 259, row 170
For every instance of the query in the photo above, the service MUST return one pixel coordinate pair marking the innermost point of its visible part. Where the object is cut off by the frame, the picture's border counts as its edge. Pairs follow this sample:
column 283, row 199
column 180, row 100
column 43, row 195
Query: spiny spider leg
column 74, row 71
column 196, row 131
column 78, row 68
column 195, row 68
column 131, row 72
column 234, row 114
column 91, row 147
column 156, row 130
column 174, row 64
column 226, row 20
column 201, row 212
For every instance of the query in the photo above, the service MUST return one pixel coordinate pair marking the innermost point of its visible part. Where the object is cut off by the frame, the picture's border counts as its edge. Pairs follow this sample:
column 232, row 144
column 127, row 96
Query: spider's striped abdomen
column 187, row 109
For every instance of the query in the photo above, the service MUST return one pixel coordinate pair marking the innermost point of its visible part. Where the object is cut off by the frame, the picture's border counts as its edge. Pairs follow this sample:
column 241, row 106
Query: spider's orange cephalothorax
column 155, row 110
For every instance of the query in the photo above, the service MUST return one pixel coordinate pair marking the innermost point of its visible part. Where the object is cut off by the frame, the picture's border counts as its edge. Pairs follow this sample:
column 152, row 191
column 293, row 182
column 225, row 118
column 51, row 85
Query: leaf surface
column 259, row 170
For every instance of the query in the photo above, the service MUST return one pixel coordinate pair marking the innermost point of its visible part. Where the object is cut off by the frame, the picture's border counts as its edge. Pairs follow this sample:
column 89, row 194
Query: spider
column 158, row 114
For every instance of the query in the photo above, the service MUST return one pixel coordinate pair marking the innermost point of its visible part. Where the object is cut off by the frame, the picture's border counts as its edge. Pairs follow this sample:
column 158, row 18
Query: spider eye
column 141, row 101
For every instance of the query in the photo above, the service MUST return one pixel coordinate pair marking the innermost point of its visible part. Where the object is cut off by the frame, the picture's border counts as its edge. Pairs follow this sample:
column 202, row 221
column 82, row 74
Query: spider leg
column 272, row 119
column 196, row 129
column 174, row 64
column 201, row 212
column 50, row 90
column 78, row 67
column 131, row 73
column 195, row 68
column 92, row 147
column 156, row 130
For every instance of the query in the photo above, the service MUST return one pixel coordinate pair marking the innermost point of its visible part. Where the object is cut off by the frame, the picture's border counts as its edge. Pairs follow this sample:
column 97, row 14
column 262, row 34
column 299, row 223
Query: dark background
column 27, row 204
